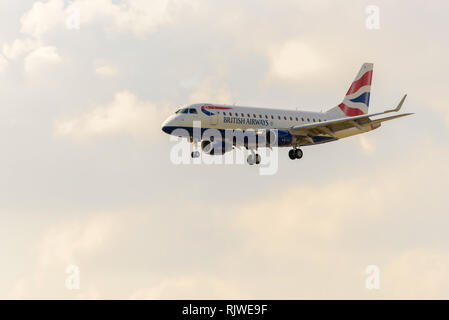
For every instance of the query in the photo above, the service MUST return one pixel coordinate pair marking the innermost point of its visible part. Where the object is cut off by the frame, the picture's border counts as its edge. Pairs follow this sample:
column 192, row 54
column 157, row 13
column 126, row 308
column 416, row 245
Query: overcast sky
column 87, row 178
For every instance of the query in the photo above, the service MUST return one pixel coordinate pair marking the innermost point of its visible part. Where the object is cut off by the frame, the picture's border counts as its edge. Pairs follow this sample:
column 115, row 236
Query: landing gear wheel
column 195, row 154
column 250, row 160
column 258, row 158
column 292, row 154
column 298, row 153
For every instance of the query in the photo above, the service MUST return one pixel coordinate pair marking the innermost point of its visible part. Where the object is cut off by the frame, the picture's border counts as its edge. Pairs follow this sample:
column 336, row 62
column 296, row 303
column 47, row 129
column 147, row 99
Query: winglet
column 399, row 105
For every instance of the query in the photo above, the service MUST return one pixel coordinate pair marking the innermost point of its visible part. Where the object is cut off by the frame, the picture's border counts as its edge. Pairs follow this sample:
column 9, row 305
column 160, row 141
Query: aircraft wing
column 329, row 128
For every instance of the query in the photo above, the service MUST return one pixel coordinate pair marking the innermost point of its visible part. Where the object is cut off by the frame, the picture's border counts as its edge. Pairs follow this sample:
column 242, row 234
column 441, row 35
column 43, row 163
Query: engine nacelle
column 261, row 138
column 217, row 147
column 281, row 138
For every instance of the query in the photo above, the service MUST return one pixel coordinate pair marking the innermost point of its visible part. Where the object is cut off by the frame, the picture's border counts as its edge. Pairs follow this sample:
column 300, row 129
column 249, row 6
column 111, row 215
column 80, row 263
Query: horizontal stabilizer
column 391, row 117
column 331, row 127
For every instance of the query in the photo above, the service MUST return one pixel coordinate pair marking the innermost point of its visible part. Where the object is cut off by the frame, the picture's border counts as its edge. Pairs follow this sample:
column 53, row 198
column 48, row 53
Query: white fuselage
column 237, row 117
column 229, row 117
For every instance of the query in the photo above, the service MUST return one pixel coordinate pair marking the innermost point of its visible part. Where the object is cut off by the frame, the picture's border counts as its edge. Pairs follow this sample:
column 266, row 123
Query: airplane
column 279, row 127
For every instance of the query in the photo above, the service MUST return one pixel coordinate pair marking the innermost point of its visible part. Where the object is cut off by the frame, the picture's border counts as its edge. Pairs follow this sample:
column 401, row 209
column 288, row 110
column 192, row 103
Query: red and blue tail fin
column 356, row 101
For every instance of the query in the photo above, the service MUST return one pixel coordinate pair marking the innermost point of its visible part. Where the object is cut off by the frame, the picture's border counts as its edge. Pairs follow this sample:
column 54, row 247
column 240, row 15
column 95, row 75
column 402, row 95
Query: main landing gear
column 195, row 154
column 253, row 159
column 295, row 153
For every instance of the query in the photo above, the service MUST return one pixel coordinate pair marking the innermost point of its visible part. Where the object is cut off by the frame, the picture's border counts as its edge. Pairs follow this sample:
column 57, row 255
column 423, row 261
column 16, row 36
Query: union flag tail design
column 356, row 101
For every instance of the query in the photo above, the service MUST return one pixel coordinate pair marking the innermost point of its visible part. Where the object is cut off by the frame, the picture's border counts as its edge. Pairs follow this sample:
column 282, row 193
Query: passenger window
column 313, row 119
column 285, row 118
column 260, row 116
column 272, row 117
column 302, row 119
column 308, row 120
column 248, row 115
column 291, row 118
column 279, row 117
column 254, row 115
column 266, row 117
column 243, row 115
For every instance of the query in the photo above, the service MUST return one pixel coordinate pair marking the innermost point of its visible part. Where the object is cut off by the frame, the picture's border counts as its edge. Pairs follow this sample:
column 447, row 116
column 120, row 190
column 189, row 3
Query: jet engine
column 281, row 138
column 217, row 147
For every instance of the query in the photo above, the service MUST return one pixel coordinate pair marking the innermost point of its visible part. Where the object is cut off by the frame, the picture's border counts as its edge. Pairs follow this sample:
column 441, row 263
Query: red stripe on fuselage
column 365, row 80
column 350, row 112
column 216, row 108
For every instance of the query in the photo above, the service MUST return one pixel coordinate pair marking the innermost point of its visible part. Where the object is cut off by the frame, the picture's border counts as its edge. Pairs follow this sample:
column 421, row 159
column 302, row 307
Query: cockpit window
column 187, row 110
column 183, row 110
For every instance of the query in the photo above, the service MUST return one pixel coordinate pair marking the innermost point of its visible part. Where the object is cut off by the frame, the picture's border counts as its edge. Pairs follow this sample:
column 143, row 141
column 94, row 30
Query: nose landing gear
column 254, row 159
column 295, row 153
column 195, row 145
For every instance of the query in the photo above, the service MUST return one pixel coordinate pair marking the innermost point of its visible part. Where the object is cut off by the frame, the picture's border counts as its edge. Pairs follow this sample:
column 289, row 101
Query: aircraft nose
column 170, row 124
column 166, row 129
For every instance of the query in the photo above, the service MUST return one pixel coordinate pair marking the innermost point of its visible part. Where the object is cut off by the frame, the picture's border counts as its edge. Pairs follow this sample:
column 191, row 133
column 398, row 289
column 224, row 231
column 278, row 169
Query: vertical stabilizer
column 356, row 101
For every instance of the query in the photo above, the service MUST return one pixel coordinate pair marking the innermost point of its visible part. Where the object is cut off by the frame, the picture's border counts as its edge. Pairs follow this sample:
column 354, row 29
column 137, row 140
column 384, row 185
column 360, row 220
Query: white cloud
column 125, row 115
column 211, row 91
column 105, row 69
column 188, row 287
column 43, row 17
column 303, row 241
column 41, row 59
column 62, row 244
column 19, row 47
column 418, row 273
column 296, row 60
column 136, row 16
column 65, row 243
column 300, row 215
column 312, row 225
column 367, row 144
column 140, row 17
